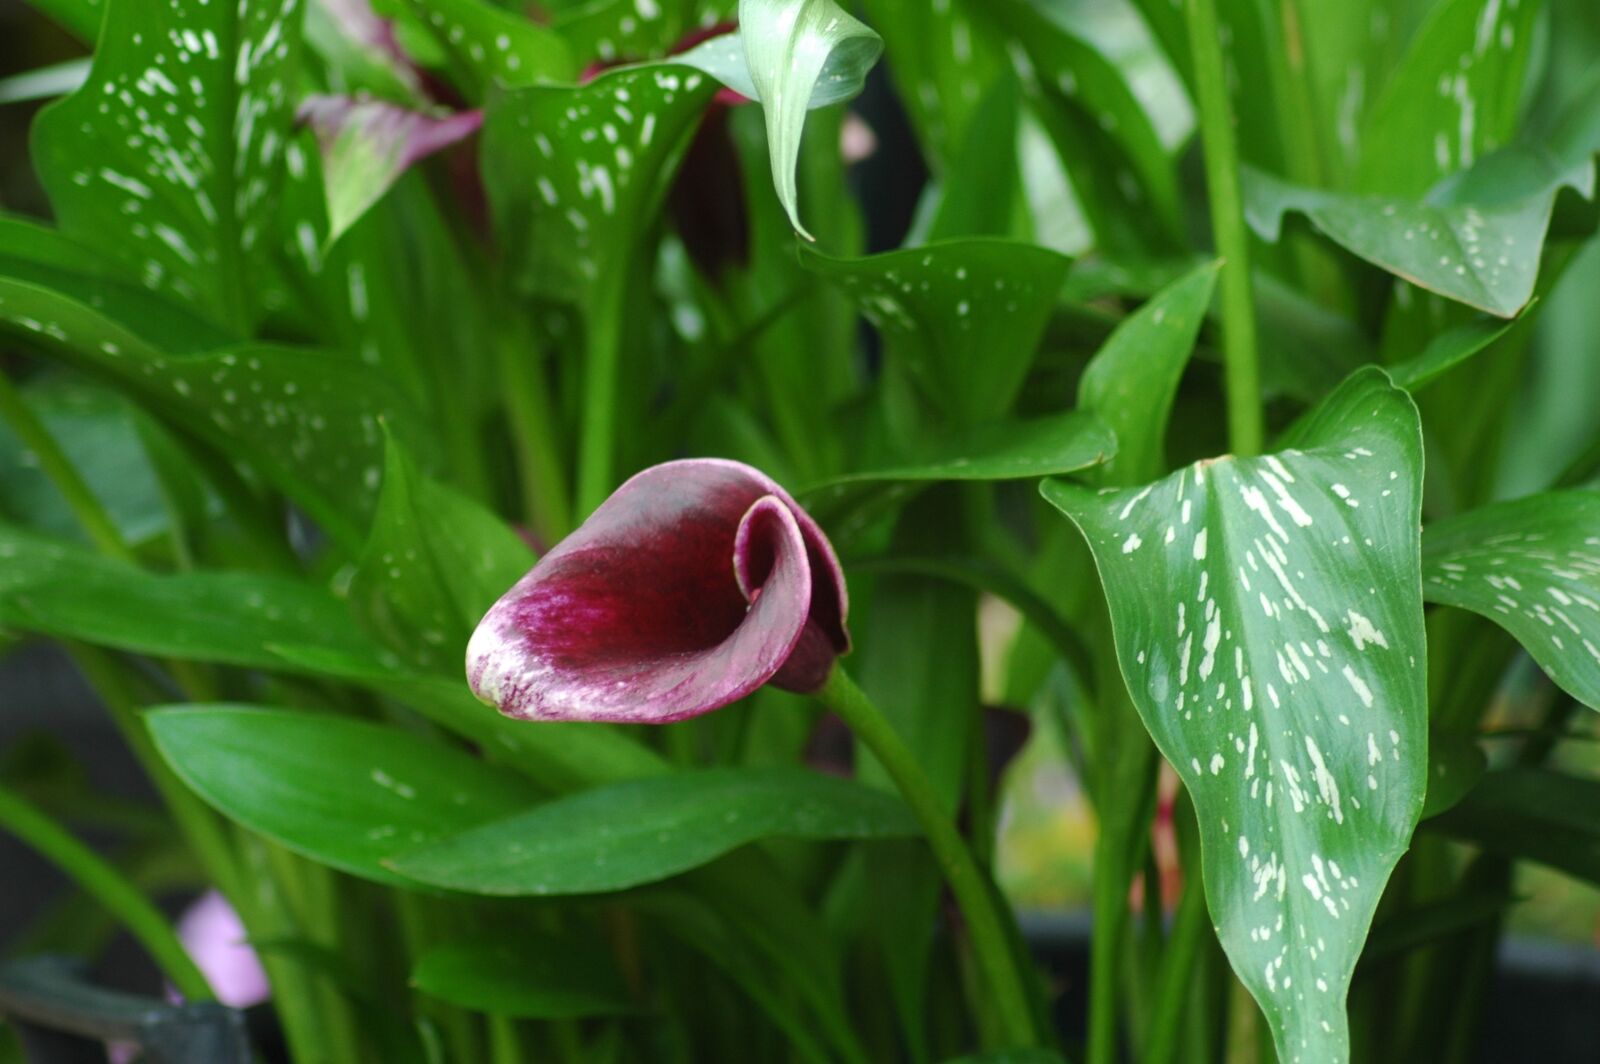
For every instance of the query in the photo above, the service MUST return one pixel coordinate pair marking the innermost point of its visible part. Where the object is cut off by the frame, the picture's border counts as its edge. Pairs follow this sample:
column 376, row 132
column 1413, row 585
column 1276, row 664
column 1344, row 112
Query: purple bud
column 695, row 583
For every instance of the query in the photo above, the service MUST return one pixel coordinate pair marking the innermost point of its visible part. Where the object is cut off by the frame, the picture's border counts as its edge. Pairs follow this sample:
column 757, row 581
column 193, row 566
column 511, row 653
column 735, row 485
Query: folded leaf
column 796, row 49
column 345, row 793
column 1268, row 621
column 1531, row 566
column 615, row 837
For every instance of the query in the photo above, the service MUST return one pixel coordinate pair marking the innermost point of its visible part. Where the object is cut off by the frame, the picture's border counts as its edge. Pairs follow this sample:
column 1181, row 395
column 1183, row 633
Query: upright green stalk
column 108, row 886
column 597, row 436
column 1239, row 346
column 545, row 504
column 990, row 941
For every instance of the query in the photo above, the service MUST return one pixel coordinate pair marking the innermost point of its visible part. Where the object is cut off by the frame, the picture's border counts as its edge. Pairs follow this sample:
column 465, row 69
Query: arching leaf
column 1268, row 621
column 1531, row 566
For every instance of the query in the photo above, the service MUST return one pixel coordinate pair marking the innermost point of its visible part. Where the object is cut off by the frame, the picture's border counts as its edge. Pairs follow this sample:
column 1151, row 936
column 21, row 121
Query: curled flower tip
column 695, row 583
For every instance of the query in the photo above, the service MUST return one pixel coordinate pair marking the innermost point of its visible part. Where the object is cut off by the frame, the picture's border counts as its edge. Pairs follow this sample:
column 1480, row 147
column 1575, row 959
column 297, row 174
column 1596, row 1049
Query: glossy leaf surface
column 615, row 837
column 1268, row 621
column 1532, row 566
column 965, row 316
column 168, row 156
column 343, row 792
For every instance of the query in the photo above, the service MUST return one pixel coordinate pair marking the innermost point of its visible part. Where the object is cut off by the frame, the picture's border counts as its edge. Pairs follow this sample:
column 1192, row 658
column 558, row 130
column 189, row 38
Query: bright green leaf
column 575, row 174
column 1475, row 240
column 615, row 837
column 433, row 565
column 490, row 47
column 1531, row 566
column 1268, row 621
column 794, row 50
column 532, row 977
column 1133, row 379
column 1454, row 97
column 343, row 792
column 167, row 158
column 233, row 618
column 963, row 317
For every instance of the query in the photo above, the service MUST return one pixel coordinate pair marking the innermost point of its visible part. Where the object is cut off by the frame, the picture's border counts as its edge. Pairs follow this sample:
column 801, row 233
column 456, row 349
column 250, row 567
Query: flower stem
column 108, row 886
column 1245, row 429
column 973, row 893
column 597, row 442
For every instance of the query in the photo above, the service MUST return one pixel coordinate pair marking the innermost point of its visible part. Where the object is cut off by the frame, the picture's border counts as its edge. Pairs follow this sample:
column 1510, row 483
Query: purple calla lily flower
column 695, row 583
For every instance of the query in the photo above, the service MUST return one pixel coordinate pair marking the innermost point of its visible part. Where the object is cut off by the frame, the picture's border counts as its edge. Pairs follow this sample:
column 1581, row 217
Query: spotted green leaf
column 167, row 157
column 611, row 838
column 343, row 792
column 575, row 173
column 1133, row 379
column 1268, row 622
column 964, row 317
column 613, row 31
column 1475, row 240
column 1454, row 97
column 234, row 618
column 433, row 565
column 488, row 46
column 1532, row 566
column 795, row 49
column 309, row 421
column 367, row 144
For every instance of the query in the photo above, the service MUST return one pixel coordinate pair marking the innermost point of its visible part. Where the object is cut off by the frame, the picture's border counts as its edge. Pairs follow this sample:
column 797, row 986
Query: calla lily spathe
column 694, row 584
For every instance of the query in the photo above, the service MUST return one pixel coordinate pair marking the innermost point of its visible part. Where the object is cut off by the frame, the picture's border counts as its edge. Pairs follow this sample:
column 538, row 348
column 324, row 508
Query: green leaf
column 616, row 837
column 796, row 50
column 46, row 257
column 1268, row 621
column 167, row 158
column 309, row 421
column 964, row 317
column 433, row 565
column 575, row 174
column 940, row 58
column 1071, row 68
column 1454, row 98
column 344, row 793
column 489, row 47
column 1448, row 349
column 1535, row 814
column 1007, row 450
column 1475, row 240
column 625, row 30
column 232, row 618
column 368, row 144
column 1455, row 764
column 532, row 977
column 1531, row 566
column 1133, row 379
column 99, row 434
